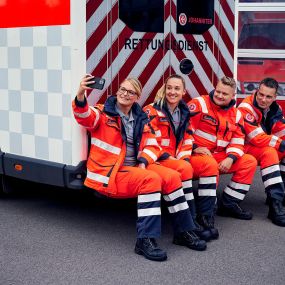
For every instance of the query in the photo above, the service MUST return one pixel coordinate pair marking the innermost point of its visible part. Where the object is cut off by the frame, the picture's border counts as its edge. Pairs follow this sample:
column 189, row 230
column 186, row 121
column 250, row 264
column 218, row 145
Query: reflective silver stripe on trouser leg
column 273, row 183
column 188, row 191
column 149, row 215
column 234, row 193
column 179, row 211
column 207, row 192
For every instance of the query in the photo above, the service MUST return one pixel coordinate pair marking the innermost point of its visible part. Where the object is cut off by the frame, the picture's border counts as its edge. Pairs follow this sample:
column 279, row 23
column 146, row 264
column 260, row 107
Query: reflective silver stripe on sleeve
column 151, row 142
column 273, row 141
column 222, row 143
column 248, row 106
column 188, row 142
column 183, row 153
column 97, row 177
column 203, row 105
column 149, row 198
column 255, row 132
column 158, row 133
column 205, row 135
column 237, row 141
column 165, row 142
column 149, row 212
column 105, row 146
column 280, row 133
column 97, row 115
column 235, row 149
column 82, row 115
column 160, row 114
column 238, row 116
column 150, row 154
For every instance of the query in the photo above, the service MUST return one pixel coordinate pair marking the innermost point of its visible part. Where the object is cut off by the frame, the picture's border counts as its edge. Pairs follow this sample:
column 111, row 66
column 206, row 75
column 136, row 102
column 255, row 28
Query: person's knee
column 249, row 161
column 270, row 154
column 171, row 181
column 211, row 166
column 151, row 182
column 186, row 170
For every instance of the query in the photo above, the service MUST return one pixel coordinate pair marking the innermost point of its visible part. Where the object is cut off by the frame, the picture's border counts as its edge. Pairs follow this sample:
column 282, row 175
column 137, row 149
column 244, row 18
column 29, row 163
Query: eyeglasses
column 123, row 90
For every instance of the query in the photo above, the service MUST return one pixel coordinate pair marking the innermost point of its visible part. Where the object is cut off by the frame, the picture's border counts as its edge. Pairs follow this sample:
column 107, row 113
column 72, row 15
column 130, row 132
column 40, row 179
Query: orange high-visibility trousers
column 144, row 184
column 206, row 170
column 174, row 196
column 268, row 159
column 186, row 173
column 243, row 172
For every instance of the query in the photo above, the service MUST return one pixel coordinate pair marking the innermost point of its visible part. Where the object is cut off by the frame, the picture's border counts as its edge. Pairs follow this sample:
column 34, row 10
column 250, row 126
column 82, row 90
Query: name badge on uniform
column 209, row 118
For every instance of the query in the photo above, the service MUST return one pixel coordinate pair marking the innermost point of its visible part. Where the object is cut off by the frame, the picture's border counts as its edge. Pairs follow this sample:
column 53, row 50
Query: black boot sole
column 223, row 214
column 201, row 248
column 205, row 238
column 277, row 223
column 153, row 258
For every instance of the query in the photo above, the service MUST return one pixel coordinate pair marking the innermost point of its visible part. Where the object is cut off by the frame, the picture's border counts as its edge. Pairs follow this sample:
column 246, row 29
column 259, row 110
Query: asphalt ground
column 53, row 236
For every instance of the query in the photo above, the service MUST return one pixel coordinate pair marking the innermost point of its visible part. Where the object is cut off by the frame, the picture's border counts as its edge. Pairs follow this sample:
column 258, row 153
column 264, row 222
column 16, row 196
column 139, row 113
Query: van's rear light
column 18, row 167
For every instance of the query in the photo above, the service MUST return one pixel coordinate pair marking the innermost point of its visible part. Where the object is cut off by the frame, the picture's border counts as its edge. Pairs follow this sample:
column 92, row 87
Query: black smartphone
column 98, row 84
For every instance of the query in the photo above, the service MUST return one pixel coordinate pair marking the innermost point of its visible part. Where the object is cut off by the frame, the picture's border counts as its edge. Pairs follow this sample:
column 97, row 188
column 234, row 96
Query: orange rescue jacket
column 179, row 145
column 108, row 142
column 218, row 129
column 260, row 131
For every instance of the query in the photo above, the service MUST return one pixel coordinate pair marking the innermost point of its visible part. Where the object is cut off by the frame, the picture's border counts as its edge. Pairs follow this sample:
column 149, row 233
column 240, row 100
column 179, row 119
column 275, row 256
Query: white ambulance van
column 47, row 46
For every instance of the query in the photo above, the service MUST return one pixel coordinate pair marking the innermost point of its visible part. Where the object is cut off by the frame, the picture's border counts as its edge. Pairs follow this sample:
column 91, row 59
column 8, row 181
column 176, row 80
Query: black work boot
column 208, row 222
column 191, row 240
column 202, row 233
column 276, row 212
column 149, row 249
column 234, row 211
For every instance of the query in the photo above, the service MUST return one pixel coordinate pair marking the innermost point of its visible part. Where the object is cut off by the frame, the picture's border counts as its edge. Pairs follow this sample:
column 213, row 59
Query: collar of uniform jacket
column 110, row 108
column 273, row 109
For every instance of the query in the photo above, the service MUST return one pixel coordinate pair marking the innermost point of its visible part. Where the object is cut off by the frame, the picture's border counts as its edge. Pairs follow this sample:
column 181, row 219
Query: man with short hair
column 217, row 130
column 265, row 129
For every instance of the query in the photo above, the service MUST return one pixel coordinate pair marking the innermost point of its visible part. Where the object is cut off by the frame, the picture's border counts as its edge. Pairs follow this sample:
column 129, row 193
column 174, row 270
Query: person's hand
column 84, row 86
column 172, row 157
column 225, row 165
column 202, row 150
column 141, row 165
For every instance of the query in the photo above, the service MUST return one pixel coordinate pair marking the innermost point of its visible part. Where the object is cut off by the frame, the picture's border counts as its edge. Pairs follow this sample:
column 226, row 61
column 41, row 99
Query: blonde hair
column 229, row 81
column 160, row 95
column 136, row 84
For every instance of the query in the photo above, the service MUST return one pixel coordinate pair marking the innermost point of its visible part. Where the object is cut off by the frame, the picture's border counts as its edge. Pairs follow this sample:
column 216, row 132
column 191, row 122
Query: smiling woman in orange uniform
column 121, row 165
column 169, row 117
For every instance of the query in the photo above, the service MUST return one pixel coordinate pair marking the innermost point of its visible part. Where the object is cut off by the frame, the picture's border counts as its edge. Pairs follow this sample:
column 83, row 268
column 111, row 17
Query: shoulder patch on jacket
column 192, row 107
column 249, row 118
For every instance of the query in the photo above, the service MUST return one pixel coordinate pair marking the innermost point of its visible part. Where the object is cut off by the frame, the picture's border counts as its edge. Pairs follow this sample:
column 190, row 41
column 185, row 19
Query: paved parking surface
column 49, row 236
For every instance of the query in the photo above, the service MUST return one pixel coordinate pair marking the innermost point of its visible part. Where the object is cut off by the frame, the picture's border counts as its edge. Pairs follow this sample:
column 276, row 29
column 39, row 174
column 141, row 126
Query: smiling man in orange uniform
column 265, row 130
column 218, row 133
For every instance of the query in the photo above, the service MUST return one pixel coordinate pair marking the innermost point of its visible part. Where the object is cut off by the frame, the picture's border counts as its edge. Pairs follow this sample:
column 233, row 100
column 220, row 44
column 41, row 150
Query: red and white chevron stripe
column 108, row 57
